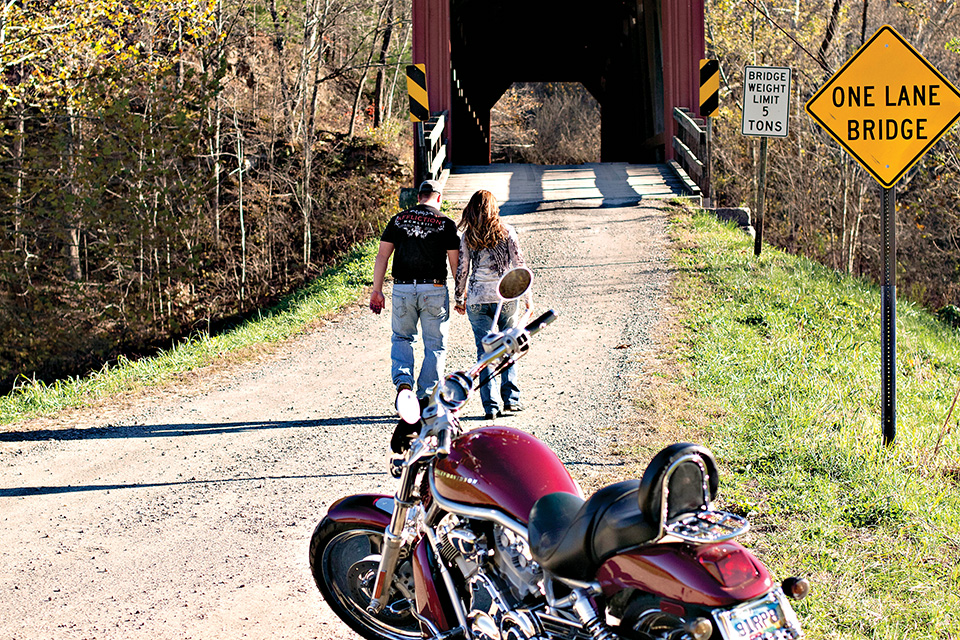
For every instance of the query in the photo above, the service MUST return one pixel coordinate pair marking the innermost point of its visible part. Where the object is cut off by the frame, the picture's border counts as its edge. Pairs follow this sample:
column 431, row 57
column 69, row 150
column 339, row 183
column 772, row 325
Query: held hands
column 460, row 308
column 377, row 301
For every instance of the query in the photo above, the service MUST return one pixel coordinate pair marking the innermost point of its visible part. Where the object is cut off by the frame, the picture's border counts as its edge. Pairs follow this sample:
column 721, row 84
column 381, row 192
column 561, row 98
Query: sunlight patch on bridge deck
column 597, row 184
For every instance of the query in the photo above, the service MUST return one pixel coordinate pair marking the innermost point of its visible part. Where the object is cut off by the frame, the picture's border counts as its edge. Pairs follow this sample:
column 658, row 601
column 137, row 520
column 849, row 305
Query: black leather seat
column 572, row 537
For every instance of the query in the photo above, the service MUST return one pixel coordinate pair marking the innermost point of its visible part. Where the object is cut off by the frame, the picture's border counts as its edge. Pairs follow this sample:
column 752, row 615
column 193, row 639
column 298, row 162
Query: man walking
column 422, row 241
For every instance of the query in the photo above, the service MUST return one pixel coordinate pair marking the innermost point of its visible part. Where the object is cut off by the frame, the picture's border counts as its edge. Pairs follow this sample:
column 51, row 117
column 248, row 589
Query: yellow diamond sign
column 886, row 106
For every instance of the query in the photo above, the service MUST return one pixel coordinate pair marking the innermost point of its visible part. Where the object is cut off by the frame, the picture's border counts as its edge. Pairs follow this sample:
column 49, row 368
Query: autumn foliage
column 819, row 201
column 155, row 173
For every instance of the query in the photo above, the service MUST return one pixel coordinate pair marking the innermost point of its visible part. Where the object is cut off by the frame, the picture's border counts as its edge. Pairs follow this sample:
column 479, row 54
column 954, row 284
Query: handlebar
column 542, row 320
column 453, row 392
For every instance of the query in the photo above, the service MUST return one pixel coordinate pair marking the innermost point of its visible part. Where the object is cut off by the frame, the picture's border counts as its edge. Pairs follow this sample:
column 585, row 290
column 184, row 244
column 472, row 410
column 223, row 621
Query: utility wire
column 816, row 59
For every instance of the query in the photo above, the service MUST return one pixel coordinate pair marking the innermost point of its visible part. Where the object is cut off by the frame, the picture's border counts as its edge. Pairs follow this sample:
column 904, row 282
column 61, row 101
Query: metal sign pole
column 761, row 195
column 888, row 317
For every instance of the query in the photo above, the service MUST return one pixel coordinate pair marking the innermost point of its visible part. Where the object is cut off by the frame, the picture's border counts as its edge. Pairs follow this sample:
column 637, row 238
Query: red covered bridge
column 638, row 58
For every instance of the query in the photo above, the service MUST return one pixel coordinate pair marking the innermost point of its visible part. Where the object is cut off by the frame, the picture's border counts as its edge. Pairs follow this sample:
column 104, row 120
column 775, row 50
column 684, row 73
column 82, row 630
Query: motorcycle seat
column 571, row 537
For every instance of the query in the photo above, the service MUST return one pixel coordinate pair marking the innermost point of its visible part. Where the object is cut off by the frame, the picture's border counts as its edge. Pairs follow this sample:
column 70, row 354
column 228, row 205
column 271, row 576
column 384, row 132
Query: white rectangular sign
column 766, row 101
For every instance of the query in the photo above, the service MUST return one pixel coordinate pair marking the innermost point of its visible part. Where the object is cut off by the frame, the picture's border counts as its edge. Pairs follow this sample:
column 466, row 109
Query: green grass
column 790, row 352
column 336, row 287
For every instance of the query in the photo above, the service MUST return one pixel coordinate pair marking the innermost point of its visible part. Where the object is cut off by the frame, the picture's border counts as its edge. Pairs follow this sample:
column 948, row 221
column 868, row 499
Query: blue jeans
column 430, row 306
column 481, row 319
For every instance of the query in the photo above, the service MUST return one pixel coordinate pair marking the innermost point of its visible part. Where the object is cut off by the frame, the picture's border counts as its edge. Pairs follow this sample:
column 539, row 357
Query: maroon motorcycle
column 489, row 538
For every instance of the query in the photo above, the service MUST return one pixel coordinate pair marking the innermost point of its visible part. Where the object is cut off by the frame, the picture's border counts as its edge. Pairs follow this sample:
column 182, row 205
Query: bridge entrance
column 638, row 58
column 549, row 123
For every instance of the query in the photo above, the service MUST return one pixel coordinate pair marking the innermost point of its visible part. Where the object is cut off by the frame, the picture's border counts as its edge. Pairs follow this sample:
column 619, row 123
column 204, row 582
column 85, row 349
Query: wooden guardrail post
column 691, row 147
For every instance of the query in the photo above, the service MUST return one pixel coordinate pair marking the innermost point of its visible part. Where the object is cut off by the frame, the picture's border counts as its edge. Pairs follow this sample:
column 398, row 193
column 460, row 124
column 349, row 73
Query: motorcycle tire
column 344, row 557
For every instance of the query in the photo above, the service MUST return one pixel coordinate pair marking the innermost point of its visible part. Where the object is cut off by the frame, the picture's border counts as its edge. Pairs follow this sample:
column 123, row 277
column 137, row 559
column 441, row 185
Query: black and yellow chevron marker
column 709, row 87
column 417, row 89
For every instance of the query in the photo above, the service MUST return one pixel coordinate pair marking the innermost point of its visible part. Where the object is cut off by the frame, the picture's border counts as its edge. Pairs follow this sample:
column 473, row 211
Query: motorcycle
column 488, row 537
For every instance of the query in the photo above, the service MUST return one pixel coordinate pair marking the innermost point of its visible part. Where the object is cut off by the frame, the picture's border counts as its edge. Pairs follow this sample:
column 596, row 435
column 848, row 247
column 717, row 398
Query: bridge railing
column 431, row 147
column 691, row 148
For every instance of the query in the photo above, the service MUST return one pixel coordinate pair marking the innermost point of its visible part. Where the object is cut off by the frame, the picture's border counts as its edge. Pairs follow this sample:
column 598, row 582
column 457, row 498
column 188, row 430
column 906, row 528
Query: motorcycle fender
column 366, row 508
column 686, row 574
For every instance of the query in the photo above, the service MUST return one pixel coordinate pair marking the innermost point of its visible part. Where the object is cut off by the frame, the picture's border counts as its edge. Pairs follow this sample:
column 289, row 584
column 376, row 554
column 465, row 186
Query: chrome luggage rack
column 707, row 526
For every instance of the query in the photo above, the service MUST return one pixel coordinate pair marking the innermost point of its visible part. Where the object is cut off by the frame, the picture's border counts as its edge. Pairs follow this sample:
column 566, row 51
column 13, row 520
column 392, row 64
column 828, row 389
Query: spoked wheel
column 344, row 558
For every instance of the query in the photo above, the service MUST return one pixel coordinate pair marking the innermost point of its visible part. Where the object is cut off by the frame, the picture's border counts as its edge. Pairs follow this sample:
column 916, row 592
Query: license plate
column 769, row 619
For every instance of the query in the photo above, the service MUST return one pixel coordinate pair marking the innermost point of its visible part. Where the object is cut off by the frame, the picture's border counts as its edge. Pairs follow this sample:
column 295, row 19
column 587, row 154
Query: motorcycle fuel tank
column 501, row 468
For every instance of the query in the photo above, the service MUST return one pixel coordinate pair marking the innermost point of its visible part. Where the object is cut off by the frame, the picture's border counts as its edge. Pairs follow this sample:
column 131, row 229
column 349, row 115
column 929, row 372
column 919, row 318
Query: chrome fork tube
column 392, row 541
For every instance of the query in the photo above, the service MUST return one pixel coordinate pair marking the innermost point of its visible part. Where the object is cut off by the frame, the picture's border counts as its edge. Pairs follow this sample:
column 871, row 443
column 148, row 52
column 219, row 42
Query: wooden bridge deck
column 600, row 184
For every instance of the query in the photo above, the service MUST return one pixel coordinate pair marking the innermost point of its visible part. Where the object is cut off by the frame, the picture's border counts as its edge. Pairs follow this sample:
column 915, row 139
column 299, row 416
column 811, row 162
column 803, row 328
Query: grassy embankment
column 783, row 357
column 336, row 287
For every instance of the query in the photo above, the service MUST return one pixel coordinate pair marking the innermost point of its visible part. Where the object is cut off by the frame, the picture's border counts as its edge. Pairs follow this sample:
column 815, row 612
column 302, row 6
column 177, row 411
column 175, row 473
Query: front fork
column 393, row 540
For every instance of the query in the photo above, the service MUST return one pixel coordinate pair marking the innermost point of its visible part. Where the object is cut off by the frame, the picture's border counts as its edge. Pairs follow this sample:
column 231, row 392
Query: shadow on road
column 23, row 492
column 171, row 430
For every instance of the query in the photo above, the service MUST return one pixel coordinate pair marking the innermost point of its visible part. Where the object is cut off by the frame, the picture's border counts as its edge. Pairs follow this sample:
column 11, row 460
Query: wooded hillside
column 819, row 201
column 168, row 165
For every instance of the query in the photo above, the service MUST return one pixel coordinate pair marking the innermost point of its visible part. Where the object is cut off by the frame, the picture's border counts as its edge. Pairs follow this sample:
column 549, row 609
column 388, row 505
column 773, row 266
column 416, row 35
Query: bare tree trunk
column 396, row 74
column 279, row 45
column 243, row 227
column 308, row 88
column 830, row 32
column 863, row 22
column 217, row 118
column 846, row 230
column 382, row 67
column 20, row 175
column 72, row 221
column 366, row 69
column 855, row 235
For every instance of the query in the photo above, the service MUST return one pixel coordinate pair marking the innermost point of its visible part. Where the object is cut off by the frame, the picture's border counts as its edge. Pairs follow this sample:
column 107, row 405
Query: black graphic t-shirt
column 421, row 237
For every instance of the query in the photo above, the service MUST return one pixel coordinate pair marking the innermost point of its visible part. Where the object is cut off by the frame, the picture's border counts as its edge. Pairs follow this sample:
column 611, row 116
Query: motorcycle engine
column 498, row 578
column 515, row 563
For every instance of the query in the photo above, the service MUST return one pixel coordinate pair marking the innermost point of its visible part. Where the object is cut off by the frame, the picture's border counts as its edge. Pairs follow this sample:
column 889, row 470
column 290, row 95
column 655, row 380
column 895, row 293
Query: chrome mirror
column 513, row 284
column 408, row 406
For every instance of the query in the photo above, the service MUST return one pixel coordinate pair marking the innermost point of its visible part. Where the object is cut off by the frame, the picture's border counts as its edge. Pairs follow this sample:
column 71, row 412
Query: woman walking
column 488, row 249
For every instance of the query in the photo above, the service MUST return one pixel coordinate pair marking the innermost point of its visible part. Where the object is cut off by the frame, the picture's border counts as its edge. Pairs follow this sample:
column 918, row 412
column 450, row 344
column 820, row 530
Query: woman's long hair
column 480, row 223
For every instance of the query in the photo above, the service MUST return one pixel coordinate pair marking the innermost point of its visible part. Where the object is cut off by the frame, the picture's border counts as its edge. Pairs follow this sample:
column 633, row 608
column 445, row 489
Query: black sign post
column 888, row 317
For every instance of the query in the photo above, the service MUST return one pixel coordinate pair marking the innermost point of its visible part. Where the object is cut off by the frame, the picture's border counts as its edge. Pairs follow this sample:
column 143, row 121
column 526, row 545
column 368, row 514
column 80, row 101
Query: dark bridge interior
column 612, row 47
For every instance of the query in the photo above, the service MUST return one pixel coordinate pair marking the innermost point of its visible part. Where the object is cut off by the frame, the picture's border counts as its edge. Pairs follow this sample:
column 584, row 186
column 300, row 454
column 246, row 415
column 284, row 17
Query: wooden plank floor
column 599, row 184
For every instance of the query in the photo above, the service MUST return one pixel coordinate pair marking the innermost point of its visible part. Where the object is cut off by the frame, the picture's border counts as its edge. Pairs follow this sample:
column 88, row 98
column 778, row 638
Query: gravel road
column 187, row 512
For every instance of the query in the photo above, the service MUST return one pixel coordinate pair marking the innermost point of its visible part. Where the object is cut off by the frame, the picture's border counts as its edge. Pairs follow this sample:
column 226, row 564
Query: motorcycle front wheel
column 344, row 557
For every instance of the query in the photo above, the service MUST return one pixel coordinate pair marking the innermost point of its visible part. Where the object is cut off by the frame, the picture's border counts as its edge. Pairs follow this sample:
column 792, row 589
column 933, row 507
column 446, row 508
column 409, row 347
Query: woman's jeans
column 481, row 319
column 430, row 306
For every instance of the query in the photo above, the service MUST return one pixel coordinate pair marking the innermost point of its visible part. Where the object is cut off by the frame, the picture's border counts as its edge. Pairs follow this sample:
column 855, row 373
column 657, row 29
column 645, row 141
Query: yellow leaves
column 67, row 44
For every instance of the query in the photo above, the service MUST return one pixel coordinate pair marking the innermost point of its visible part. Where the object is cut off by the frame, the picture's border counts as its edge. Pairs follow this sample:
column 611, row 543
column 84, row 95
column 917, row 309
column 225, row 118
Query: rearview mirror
column 514, row 283
column 408, row 406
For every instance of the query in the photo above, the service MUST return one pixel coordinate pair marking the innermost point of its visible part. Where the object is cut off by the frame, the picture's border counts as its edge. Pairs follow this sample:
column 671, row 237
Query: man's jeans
column 481, row 319
column 430, row 305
